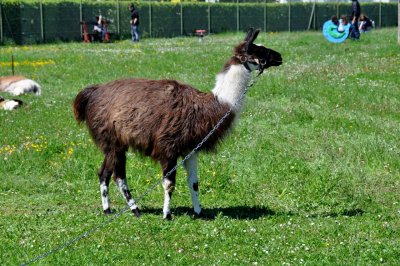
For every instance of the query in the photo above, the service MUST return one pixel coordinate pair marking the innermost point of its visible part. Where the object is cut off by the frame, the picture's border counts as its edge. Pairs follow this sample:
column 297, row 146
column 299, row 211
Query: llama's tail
column 81, row 101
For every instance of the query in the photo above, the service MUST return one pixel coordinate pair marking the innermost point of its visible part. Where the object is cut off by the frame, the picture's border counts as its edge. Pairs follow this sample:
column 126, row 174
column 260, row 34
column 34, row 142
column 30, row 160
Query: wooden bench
column 92, row 37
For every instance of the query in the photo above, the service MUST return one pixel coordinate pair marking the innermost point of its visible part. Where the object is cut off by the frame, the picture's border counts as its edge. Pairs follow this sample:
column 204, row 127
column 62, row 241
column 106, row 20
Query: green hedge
column 195, row 17
column 32, row 22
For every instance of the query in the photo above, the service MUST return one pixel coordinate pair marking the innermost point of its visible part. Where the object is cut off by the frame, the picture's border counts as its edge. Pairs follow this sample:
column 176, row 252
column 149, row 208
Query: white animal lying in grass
column 10, row 104
column 17, row 85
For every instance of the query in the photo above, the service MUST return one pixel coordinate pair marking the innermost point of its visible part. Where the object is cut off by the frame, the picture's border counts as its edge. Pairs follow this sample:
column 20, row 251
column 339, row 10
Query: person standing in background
column 134, row 23
column 355, row 15
column 98, row 29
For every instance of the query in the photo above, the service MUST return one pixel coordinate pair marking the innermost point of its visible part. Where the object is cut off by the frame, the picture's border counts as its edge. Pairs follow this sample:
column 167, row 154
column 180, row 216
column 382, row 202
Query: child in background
column 365, row 23
column 342, row 22
column 98, row 28
column 335, row 20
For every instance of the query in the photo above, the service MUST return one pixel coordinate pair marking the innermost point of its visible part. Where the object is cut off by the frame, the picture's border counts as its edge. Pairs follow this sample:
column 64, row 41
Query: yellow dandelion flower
column 28, row 63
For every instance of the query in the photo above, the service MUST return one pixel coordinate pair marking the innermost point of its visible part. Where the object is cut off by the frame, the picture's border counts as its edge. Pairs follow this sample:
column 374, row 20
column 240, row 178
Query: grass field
column 310, row 175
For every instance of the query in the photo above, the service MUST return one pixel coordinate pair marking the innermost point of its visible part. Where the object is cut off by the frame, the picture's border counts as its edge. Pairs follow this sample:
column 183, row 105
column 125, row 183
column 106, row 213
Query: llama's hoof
column 168, row 217
column 136, row 212
column 108, row 211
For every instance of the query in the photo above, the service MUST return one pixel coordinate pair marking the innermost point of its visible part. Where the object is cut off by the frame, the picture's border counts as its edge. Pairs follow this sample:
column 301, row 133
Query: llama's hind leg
column 193, row 182
column 120, row 180
column 168, row 185
column 105, row 173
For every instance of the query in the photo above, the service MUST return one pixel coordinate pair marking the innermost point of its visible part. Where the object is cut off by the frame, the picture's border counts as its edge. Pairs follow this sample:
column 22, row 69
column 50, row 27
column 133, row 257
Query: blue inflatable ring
column 332, row 34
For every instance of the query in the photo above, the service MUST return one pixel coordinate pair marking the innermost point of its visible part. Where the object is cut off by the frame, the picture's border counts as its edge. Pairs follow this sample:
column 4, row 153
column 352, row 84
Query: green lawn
column 310, row 175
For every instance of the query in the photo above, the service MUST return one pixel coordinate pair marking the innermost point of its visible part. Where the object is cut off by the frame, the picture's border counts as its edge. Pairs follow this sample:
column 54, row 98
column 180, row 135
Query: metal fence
column 25, row 23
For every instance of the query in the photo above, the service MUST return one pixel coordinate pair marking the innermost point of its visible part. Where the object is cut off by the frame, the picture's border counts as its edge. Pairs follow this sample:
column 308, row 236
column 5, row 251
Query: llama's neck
column 230, row 86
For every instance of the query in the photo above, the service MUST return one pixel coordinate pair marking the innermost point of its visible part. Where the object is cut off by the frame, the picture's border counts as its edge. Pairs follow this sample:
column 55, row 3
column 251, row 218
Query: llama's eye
column 263, row 61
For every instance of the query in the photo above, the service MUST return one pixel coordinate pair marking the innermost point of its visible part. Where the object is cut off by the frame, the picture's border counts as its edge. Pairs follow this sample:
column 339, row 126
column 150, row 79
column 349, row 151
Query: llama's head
column 254, row 56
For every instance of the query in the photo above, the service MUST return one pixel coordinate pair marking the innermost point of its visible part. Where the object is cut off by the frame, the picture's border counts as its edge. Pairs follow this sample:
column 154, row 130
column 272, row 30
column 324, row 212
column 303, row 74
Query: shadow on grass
column 348, row 213
column 236, row 212
column 247, row 212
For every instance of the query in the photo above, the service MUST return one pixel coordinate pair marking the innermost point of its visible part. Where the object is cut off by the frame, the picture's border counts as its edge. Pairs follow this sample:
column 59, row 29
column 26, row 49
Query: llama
column 17, row 85
column 10, row 104
column 166, row 119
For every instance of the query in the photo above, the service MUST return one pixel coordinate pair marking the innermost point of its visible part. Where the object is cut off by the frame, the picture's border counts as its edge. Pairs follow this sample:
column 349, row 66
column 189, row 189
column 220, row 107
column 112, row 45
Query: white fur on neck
column 230, row 85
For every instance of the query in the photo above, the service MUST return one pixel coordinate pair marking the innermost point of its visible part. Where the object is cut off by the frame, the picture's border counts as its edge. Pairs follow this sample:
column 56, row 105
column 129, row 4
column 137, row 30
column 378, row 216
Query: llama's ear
column 250, row 38
column 255, row 34
column 249, row 35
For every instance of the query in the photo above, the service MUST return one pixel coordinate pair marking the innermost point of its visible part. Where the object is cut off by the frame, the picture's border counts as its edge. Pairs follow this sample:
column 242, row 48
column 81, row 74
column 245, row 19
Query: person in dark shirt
column 355, row 15
column 365, row 23
column 134, row 23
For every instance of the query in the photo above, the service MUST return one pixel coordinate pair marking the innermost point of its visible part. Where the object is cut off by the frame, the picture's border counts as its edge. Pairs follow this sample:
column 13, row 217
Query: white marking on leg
column 123, row 188
column 193, row 182
column 104, row 196
column 132, row 204
column 168, row 188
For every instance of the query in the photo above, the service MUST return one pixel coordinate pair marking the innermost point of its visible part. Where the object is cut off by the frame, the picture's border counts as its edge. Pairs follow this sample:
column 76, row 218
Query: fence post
column 380, row 14
column 265, row 15
column 398, row 22
column 181, row 19
column 311, row 16
column 118, row 21
column 80, row 17
column 337, row 9
column 41, row 21
column 315, row 16
column 289, row 14
column 150, row 19
column 1, row 23
column 209, row 18
column 237, row 16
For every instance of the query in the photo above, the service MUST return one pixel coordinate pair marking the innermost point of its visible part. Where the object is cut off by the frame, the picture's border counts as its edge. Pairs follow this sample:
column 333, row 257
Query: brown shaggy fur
column 163, row 119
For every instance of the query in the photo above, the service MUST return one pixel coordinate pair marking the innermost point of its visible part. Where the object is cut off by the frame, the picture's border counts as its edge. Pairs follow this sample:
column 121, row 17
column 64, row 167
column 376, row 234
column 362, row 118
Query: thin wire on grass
column 150, row 189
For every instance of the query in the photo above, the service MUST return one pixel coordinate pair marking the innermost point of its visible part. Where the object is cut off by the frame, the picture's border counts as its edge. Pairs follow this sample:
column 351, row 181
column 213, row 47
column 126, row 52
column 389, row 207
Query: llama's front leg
column 193, row 182
column 169, row 186
column 120, row 180
column 105, row 173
